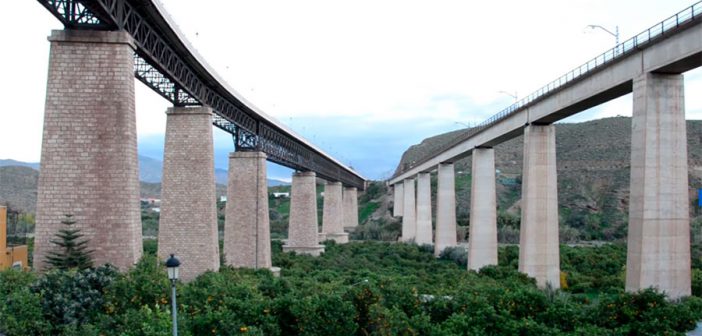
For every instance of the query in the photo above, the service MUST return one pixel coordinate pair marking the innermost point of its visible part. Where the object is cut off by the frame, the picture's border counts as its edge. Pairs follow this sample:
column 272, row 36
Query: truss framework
column 161, row 64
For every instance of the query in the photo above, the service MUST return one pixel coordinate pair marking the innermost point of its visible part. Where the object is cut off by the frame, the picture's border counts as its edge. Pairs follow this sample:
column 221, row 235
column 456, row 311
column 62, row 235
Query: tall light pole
column 513, row 95
column 615, row 33
column 172, row 267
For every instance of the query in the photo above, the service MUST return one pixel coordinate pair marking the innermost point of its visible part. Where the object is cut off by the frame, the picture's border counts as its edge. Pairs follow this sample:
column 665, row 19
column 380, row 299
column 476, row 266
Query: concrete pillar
column 409, row 212
column 302, row 230
column 658, row 249
column 445, row 208
column 424, row 227
column 398, row 191
column 333, row 213
column 538, row 241
column 188, row 221
column 89, row 165
column 482, row 246
column 350, row 199
column 247, row 237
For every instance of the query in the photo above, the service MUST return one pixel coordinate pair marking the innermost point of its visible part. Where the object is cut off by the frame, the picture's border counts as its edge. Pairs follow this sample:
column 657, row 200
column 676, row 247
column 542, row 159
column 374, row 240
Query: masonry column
column 398, row 192
column 538, row 240
column 333, row 213
column 350, row 199
column 188, row 221
column 445, row 209
column 409, row 212
column 482, row 246
column 424, row 229
column 89, row 166
column 302, row 230
column 247, row 238
column 658, row 248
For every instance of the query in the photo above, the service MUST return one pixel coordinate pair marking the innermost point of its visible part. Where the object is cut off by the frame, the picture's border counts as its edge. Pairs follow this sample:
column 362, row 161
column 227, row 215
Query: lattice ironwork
column 165, row 65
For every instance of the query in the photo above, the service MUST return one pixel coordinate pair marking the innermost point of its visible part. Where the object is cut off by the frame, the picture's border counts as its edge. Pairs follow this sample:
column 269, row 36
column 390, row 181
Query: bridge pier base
column 482, row 247
column 445, row 208
column 424, row 227
column 538, row 241
column 188, row 221
column 333, row 213
column 398, row 193
column 350, row 200
column 89, row 167
column 658, row 249
column 247, row 241
column 302, row 230
column 409, row 212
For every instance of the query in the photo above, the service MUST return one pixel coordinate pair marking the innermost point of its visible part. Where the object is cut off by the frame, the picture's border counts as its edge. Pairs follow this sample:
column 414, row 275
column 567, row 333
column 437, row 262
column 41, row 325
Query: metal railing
column 672, row 24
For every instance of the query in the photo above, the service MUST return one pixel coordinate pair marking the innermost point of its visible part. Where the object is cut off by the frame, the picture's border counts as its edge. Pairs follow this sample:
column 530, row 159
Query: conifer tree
column 72, row 252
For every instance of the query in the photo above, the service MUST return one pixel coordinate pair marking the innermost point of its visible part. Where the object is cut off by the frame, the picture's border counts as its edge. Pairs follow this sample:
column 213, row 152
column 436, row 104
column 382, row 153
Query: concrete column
column 482, row 246
column 302, row 231
column 350, row 199
column 89, row 165
column 398, row 191
column 188, row 222
column 424, row 229
column 333, row 213
column 658, row 249
column 445, row 208
column 247, row 237
column 538, row 241
column 409, row 212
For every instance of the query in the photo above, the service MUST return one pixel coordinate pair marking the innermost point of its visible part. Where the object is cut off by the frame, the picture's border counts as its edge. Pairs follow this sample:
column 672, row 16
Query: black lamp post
column 172, row 266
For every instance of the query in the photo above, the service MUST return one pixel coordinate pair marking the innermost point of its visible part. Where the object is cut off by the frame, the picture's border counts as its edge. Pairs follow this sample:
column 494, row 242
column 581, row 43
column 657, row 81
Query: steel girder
column 170, row 70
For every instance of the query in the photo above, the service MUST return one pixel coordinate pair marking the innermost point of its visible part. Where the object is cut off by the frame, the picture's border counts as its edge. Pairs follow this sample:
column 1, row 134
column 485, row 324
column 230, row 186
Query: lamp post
column 615, row 34
column 513, row 95
column 172, row 266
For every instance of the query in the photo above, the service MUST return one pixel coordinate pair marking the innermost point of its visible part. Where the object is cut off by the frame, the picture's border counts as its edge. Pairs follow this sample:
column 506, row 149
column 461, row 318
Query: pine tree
column 72, row 252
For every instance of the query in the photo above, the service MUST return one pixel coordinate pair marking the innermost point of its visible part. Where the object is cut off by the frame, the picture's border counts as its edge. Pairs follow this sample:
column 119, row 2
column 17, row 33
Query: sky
column 362, row 80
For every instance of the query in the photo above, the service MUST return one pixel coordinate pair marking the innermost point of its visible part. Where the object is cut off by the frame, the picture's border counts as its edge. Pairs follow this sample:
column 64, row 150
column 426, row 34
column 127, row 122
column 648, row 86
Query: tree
column 72, row 252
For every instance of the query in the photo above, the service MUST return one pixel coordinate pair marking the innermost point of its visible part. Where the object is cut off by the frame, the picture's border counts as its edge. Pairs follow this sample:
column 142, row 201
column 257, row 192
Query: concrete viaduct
column 651, row 65
column 89, row 165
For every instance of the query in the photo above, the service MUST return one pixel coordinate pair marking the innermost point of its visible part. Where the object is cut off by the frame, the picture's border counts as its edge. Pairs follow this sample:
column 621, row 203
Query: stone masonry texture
column 188, row 222
column 333, row 214
column 658, row 248
column 302, row 230
column 538, row 240
column 89, row 166
column 247, row 238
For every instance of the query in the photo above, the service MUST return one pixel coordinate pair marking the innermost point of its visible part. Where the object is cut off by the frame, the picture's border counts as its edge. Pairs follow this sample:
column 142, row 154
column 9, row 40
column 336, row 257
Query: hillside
column 18, row 187
column 593, row 176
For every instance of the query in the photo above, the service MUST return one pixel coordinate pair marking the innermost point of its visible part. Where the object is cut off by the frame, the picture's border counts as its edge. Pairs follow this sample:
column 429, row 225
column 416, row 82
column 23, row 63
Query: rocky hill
column 593, row 175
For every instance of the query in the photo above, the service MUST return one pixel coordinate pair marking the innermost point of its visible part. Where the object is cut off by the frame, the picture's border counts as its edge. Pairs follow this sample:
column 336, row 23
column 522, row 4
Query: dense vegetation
column 363, row 288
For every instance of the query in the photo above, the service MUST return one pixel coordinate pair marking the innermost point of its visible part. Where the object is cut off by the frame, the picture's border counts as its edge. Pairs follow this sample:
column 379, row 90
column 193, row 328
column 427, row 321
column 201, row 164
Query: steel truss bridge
column 167, row 64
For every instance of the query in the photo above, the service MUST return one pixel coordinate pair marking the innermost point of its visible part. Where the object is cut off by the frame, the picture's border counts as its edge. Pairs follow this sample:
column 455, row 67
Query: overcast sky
column 363, row 80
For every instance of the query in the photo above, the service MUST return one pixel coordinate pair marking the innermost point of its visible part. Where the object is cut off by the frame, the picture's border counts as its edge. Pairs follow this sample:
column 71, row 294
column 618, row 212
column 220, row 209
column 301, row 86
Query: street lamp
column 615, row 34
column 172, row 266
column 513, row 95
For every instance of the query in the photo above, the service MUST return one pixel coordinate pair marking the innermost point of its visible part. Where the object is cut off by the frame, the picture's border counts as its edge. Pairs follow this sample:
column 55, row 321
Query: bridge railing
column 638, row 42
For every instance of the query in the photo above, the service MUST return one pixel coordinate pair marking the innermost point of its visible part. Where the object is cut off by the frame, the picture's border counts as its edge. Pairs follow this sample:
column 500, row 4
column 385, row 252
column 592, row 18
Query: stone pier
column 188, row 222
column 89, row 165
column 333, row 213
column 247, row 238
column 424, row 227
column 538, row 241
column 658, row 249
column 302, row 230
column 409, row 212
column 482, row 246
column 445, row 208
column 398, row 192
column 350, row 199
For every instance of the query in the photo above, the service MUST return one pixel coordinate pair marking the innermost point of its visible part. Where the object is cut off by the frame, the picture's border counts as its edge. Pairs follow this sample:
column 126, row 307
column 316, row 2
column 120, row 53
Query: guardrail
column 644, row 39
